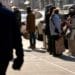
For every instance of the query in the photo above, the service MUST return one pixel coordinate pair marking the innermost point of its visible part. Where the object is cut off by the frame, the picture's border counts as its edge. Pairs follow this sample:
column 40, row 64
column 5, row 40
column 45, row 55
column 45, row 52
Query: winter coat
column 55, row 24
column 30, row 22
column 47, row 29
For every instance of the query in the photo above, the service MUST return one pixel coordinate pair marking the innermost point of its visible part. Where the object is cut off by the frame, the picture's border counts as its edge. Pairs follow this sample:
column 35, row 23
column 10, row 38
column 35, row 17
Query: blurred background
column 38, row 4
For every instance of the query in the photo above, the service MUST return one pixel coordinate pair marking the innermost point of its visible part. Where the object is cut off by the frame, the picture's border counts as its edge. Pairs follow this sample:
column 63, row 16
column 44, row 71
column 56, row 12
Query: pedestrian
column 66, row 29
column 31, row 27
column 55, row 30
column 47, row 27
column 10, row 39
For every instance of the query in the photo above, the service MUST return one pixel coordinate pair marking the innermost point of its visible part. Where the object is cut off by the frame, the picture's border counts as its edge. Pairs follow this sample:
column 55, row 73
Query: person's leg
column 66, row 43
column 33, row 39
column 30, row 39
column 49, row 43
column 3, row 67
column 53, row 45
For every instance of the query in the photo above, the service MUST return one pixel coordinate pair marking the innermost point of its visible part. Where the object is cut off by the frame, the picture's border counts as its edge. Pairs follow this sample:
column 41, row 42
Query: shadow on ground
column 40, row 50
column 27, row 50
column 67, row 58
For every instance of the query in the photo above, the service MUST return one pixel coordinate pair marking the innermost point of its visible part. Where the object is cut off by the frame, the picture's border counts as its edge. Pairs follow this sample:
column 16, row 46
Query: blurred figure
column 47, row 16
column 10, row 38
column 66, row 25
column 55, row 30
column 47, row 28
column 31, row 27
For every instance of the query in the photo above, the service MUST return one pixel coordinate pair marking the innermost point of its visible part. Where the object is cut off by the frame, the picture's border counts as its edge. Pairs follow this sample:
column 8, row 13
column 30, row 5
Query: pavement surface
column 39, row 62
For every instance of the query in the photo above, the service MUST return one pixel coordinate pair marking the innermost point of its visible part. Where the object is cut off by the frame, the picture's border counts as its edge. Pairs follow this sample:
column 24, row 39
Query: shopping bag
column 68, row 31
column 26, row 35
column 59, row 44
column 24, row 32
column 64, row 28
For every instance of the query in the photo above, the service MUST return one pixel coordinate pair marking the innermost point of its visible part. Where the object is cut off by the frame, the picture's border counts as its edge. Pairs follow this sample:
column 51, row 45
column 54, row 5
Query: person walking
column 10, row 39
column 30, row 28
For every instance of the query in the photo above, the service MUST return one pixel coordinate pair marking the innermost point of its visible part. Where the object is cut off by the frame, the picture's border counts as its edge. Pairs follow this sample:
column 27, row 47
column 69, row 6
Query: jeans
column 32, row 39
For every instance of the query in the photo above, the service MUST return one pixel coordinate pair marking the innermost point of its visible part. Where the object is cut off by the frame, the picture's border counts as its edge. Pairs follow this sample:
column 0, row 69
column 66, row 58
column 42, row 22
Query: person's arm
column 57, row 23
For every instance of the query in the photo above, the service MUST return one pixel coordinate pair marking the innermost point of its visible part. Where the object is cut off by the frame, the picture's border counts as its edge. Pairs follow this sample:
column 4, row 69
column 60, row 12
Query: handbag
column 66, row 30
column 59, row 45
column 26, row 35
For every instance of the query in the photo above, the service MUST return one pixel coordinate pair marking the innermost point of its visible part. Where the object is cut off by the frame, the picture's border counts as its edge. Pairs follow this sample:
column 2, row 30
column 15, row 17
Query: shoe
column 57, row 55
column 33, row 47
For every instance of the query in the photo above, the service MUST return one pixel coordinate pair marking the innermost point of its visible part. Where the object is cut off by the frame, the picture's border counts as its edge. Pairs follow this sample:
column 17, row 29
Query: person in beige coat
column 31, row 27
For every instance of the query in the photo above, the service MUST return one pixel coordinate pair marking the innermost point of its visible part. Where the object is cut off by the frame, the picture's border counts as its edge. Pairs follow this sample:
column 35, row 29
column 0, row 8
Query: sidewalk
column 39, row 62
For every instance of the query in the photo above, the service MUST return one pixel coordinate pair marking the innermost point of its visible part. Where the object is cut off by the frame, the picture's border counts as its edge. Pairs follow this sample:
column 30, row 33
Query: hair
column 29, row 9
column 56, row 11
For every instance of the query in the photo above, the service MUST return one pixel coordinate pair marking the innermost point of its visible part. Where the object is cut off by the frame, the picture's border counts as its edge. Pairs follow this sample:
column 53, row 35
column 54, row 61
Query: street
column 39, row 62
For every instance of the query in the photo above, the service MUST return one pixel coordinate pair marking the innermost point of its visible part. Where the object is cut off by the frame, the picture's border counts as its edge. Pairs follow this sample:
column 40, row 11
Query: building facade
column 60, row 3
column 36, row 3
column 9, row 3
column 39, row 3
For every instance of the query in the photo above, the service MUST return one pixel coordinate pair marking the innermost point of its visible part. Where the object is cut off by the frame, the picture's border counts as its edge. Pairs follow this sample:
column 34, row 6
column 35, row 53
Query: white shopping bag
column 64, row 28
column 68, row 31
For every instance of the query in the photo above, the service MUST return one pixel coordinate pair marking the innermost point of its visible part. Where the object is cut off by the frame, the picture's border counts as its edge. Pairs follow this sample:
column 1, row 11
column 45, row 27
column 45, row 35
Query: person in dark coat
column 31, row 27
column 47, row 27
column 10, row 39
